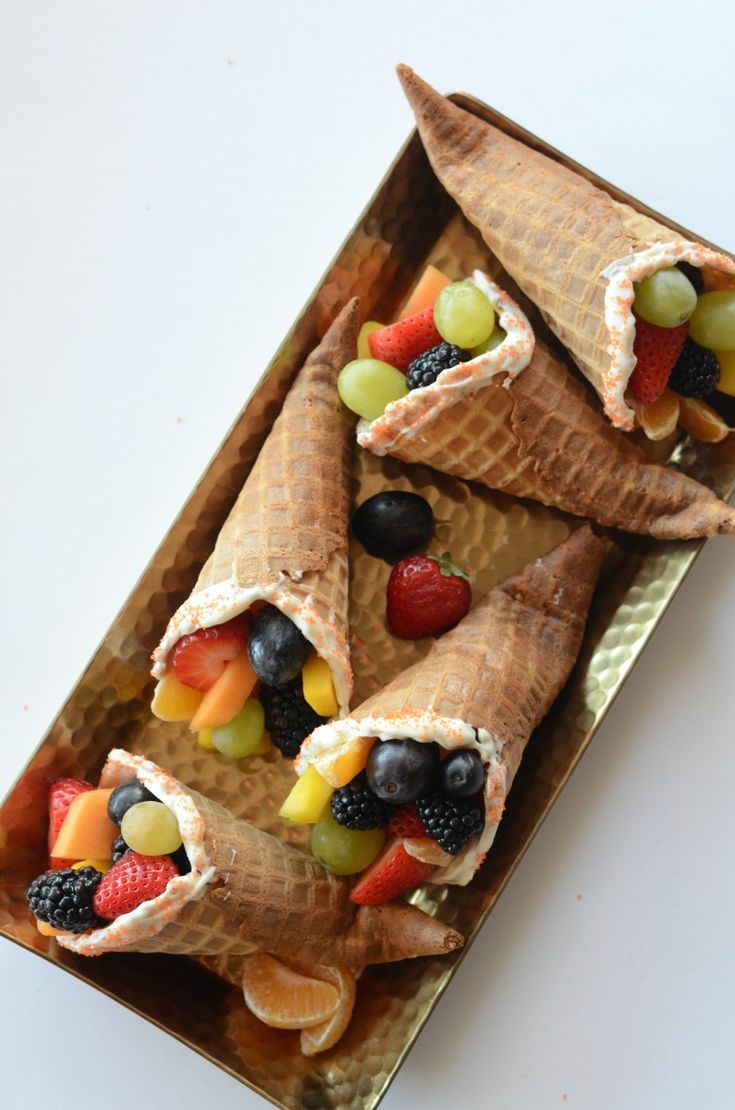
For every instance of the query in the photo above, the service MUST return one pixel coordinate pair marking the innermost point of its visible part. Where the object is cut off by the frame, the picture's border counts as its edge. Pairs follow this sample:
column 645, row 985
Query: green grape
column 151, row 829
column 344, row 851
column 367, row 385
column 497, row 335
column 713, row 322
column 666, row 298
column 242, row 735
column 463, row 315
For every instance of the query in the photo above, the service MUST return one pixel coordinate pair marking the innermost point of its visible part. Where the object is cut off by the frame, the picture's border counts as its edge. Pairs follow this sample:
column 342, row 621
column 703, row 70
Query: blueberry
column 125, row 796
column 276, row 648
column 392, row 524
column 461, row 775
column 400, row 770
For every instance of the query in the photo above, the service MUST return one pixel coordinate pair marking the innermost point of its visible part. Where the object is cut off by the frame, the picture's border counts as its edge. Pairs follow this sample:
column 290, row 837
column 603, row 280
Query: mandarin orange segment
column 701, row 421
column 284, row 998
column 660, row 418
column 321, row 1037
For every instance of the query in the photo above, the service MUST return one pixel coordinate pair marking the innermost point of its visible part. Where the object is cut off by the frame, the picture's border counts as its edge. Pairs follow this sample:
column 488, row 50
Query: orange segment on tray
column 427, row 289
column 87, row 832
column 172, row 701
column 661, row 417
column 701, row 421
column 227, row 696
column 283, row 998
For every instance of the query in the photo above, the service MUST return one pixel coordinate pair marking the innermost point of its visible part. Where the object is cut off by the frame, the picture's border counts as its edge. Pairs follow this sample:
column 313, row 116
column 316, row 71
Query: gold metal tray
column 409, row 221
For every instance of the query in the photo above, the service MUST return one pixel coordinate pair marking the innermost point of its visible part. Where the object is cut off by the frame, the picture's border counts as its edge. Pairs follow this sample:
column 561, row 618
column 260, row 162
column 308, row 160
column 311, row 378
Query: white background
column 175, row 177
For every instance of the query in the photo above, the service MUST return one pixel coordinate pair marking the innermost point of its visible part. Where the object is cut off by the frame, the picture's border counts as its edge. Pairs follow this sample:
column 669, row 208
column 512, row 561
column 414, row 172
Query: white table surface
column 174, row 178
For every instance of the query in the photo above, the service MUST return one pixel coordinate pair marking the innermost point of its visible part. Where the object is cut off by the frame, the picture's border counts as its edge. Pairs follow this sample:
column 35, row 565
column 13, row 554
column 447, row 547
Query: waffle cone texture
column 486, row 684
column 572, row 248
column 249, row 892
column 285, row 541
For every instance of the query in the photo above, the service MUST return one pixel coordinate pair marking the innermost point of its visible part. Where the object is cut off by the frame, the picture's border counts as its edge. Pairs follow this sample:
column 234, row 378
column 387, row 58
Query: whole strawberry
column 656, row 351
column 426, row 596
column 133, row 879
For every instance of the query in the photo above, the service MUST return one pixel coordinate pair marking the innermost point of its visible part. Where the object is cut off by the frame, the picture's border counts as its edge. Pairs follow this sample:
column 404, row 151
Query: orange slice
column 660, row 418
column 321, row 1037
column 284, row 998
column 701, row 421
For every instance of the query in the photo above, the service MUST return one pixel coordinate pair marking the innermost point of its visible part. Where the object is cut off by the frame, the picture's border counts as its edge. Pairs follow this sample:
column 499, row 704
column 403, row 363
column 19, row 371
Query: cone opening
column 620, row 320
column 151, row 917
column 333, row 739
column 406, row 418
column 225, row 600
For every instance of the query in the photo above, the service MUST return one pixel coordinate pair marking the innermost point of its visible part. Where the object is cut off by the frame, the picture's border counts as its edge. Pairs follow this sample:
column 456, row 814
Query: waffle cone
column 285, row 540
column 544, row 438
column 250, row 892
column 572, row 248
column 489, row 682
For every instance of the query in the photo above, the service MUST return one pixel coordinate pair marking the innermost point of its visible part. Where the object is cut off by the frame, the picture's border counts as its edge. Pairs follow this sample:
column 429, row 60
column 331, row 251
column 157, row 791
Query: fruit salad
column 683, row 348
column 110, row 850
column 248, row 683
column 454, row 335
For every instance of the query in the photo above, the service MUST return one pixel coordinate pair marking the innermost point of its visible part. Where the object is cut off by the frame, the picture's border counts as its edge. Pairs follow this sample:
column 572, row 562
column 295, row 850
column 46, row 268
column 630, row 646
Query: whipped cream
column 224, row 600
column 149, row 918
column 620, row 320
column 405, row 419
column 427, row 727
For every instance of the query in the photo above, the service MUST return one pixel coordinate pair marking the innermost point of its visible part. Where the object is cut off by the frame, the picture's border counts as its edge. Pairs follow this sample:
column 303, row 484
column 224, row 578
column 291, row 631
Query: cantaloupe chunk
column 47, row 930
column 428, row 288
column 308, row 798
column 318, row 688
column 340, row 766
column 172, row 701
column 225, row 699
column 87, row 831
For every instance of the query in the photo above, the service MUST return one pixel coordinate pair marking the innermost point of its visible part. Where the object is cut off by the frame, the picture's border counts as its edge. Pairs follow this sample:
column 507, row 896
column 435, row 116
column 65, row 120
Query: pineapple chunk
column 308, row 798
column 318, row 686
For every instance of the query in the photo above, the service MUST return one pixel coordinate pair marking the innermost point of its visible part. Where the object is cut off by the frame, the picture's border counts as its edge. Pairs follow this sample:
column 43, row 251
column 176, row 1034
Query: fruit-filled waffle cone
column 484, row 686
column 515, row 419
column 285, row 541
column 248, row 892
column 572, row 248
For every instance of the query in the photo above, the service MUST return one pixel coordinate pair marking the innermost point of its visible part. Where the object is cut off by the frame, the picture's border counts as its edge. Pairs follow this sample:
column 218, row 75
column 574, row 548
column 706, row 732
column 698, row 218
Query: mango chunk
column 341, row 765
column 172, row 701
column 225, row 699
column 87, row 831
column 363, row 349
column 205, row 741
column 318, row 686
column 308, row 798
column 425, row 292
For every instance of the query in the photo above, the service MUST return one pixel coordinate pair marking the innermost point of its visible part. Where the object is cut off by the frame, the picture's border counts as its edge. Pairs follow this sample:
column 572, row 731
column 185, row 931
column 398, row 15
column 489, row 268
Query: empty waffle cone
column 285, row 541
column 249, row 892
column 515, row 419
column 486, row 684
column 573, row 250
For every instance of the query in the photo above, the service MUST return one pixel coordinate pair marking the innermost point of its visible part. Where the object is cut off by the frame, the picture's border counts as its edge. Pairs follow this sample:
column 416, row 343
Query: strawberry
column 61, row 793
column 406, row 824
column 656, row 351
column 399, row 344
column 393, row 873
column 199, row 658
column 426, row 596
column 130, row 881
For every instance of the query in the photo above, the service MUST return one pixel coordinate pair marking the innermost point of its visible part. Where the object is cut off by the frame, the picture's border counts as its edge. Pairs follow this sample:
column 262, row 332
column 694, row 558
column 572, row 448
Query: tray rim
column 486, row 111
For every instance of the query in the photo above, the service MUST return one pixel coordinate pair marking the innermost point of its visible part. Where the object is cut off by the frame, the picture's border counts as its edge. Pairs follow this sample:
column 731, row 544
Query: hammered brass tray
column 409, row 221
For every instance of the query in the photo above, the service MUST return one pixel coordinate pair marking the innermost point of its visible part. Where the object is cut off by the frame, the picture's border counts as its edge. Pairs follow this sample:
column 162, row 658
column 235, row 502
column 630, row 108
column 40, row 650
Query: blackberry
column 696, row 371
column 694, row 273
column 356, row 807
column 450, row 822
column 64, row 899
column 119, row 848
column 288, row 716
column 427, row 367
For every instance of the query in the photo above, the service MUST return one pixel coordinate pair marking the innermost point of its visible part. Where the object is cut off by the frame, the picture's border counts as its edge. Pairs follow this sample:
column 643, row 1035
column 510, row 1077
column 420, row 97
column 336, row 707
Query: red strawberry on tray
column 427, row 595
column 61, row 793
column 199, row 658
column 129, row 882
column 395, row 872
column 656, row 351
column 399, row 344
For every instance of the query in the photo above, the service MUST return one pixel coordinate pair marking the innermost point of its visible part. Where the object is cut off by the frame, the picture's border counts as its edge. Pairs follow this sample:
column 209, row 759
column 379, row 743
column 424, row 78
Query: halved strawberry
column 393, row 873
column 61, row 793
column 656, row 351
column 130, row 881
column 406, row 823
column 399, row 344
column 199, row 658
